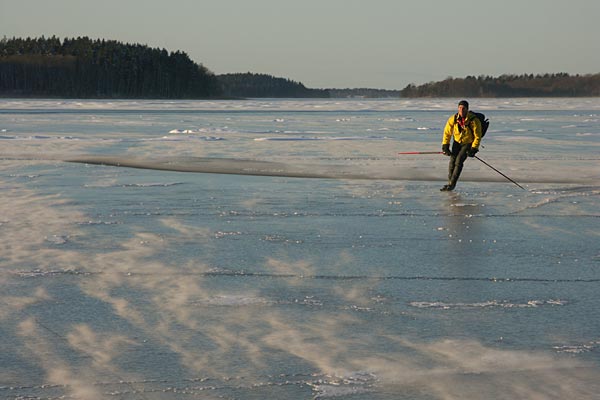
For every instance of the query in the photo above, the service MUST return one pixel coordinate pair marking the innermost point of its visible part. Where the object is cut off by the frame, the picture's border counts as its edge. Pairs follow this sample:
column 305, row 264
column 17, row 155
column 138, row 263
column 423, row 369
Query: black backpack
column 485, row 123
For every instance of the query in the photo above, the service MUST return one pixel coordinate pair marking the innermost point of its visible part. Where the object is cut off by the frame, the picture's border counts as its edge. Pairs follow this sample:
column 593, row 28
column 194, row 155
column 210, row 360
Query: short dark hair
column 464, row 103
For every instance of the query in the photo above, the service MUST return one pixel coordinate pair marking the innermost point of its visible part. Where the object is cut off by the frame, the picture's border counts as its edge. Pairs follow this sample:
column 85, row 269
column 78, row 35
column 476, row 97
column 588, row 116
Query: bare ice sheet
column 122, row 277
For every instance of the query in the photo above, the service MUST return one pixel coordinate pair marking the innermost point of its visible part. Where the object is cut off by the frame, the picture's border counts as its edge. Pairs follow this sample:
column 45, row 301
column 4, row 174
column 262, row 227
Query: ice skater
column 465, row 128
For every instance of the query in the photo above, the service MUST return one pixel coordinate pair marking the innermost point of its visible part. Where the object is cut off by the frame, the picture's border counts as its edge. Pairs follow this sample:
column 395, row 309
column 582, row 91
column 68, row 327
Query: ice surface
column 292, row 138
column 244, row 279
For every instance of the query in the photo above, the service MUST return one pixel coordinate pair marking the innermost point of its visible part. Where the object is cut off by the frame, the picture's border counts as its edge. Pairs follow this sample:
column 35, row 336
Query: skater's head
column 463, row 108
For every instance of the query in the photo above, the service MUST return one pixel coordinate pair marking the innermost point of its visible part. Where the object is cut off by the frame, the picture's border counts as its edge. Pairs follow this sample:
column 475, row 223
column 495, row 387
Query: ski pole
column 421, row 152
column 500, row 173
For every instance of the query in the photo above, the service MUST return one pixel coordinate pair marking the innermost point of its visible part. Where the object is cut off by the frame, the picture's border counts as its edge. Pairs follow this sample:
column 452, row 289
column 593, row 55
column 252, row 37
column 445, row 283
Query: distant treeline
column 363, row 92
column 547, row 85
column 262, row 85
column 88, row 68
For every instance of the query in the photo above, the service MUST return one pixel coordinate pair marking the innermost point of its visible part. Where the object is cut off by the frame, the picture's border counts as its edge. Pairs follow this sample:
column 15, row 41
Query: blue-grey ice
column 284, row 249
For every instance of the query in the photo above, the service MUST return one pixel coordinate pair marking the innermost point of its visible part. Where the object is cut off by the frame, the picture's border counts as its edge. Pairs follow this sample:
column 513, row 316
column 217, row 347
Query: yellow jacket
column 471, row 133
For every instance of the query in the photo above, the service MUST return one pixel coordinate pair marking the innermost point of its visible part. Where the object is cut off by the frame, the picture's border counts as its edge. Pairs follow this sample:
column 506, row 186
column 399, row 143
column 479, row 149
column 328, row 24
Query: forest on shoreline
column 86, row 68
column 525, row 85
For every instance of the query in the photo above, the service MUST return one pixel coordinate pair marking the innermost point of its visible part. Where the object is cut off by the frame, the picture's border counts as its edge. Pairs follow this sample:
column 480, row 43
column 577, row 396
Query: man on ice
column 466, row 130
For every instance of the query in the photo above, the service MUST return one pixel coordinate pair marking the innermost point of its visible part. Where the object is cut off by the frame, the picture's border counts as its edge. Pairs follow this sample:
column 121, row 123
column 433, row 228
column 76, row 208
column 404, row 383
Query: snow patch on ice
column 344, row 386
column 156, row 184
column 57, row 239
column 440, row 305
column 578, row 348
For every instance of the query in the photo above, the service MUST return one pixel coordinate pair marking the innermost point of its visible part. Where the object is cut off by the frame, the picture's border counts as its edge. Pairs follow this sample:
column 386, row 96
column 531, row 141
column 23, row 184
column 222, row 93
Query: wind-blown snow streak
column 374, row 171
column 247, row 167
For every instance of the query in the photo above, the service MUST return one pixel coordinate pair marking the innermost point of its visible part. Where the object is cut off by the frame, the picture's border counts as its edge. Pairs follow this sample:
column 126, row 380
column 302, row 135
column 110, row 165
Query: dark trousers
column 457, row 160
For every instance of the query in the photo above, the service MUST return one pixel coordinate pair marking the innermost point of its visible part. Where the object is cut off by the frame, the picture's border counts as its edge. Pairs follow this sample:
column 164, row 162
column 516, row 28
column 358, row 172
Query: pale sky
column 383, row 44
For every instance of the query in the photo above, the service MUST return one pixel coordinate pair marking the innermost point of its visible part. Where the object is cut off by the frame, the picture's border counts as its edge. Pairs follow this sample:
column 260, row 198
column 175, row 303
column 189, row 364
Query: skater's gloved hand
column 446, row 149
column 472, row 151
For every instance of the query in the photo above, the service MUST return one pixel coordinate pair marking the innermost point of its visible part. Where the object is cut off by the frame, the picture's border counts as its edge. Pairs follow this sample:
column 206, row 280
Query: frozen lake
column 283, row 249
